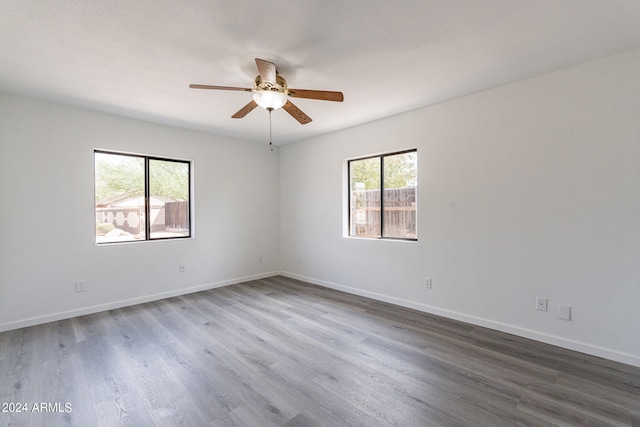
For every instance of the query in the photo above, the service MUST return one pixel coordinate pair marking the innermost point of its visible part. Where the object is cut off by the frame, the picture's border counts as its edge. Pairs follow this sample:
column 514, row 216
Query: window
column 383, row 196
column 141, row 198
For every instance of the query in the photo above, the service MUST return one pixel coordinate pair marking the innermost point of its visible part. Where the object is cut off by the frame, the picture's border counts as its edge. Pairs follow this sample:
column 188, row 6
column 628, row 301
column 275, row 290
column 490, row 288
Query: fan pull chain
column 270, row 137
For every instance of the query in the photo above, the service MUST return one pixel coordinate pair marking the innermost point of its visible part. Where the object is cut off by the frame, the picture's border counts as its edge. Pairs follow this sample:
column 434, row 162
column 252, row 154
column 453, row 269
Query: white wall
column 530, row 189
column 47, row 221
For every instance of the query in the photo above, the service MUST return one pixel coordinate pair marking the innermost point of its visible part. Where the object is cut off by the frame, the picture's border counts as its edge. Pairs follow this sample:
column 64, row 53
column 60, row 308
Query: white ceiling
column 136, row 58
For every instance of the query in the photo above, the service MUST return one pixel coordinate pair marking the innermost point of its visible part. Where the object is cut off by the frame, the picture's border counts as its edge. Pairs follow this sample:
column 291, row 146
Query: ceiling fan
column 270, row 91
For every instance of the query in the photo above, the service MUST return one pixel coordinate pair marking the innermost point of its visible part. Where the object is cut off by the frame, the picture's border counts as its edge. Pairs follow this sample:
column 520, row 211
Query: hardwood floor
column 280, row 352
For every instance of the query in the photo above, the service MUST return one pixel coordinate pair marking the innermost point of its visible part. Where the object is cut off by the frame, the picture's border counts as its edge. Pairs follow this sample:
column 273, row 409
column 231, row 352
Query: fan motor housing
column 279, row 86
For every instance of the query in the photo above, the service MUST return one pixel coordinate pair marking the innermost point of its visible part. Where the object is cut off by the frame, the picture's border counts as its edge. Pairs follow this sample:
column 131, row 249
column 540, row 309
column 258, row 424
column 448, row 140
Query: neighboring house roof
column 129, row 200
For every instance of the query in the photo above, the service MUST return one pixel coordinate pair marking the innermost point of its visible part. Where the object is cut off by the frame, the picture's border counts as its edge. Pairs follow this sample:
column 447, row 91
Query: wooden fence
column 176, row 216
column 399, row 213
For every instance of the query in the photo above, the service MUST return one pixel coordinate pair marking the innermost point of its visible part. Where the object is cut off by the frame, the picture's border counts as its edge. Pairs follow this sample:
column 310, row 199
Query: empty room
column 320, row 213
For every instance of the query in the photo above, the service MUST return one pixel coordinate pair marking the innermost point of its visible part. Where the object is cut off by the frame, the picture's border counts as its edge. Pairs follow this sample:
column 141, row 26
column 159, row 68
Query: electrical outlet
column 541, row 304
column 564, row 312
column 428, row 283
column 80, row 286
column 181, row 268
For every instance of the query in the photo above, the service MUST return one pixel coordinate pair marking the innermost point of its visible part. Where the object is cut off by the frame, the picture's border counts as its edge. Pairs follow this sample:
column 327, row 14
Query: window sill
column 384, row 239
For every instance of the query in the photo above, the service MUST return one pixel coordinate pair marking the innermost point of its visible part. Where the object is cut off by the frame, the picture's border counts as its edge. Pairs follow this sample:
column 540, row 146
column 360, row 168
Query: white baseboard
column 617, row 356
column 37, row 320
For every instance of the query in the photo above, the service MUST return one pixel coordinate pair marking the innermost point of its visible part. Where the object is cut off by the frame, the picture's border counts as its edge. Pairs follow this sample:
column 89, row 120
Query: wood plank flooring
column 280, row 352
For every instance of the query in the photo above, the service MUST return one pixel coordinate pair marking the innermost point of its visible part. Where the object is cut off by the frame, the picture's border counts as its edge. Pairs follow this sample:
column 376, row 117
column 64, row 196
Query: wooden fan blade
column 267, row 71
column 245, row 110
column 296, row 113
column 323, row 95
column 220, row 88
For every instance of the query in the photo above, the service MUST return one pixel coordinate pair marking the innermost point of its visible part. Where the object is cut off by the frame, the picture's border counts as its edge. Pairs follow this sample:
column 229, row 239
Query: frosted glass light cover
column 270, row 99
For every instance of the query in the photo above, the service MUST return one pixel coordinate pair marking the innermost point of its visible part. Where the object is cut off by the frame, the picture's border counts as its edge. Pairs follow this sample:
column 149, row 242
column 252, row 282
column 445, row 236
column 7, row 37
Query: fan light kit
column 270, row 99
column 270, row 92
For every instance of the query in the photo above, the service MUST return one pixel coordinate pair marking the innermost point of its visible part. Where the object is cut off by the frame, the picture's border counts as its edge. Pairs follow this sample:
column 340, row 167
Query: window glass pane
column 168, row 198
column 365, row 197
column 119, row 196
column 400, row 182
